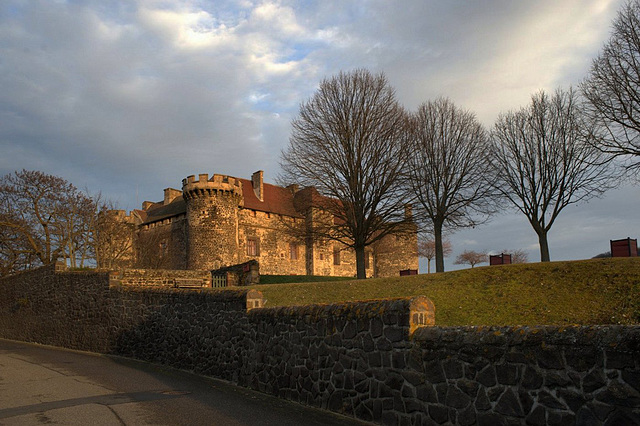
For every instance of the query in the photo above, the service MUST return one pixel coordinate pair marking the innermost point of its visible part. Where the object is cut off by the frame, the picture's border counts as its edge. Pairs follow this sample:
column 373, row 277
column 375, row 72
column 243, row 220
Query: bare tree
column 612, row 87
column 80, row 221
column 153, row 250
column 448, row 169
column 15, row 253
column 348, row 143
column 604, row 255
column 43, row 218
column 427, row 250
column 517, row 256
column 544, row 159
column 470, row 257
column 32, row 205
column 114, row 238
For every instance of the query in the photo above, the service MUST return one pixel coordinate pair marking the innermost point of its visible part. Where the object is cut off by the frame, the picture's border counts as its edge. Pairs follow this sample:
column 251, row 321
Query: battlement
column 205, row 187
column 120, row 215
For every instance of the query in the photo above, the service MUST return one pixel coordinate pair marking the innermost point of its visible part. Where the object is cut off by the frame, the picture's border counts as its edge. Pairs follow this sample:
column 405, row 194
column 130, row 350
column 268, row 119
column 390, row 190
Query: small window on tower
column 253, row 246
column 293, row 251
column 336, row 256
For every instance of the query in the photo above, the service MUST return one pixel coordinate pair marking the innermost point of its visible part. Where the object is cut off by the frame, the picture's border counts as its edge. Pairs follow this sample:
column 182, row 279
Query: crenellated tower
column 212, row 220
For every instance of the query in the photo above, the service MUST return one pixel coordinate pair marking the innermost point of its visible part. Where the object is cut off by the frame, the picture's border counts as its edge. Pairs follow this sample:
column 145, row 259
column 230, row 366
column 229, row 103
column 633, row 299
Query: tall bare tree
column 114, row 238
column 43, row 218
column 448, row 169
column 348, row 143
column 80, row 222
column 15, row 253
column 427, row 250
column 545, row 159
column 612, row 87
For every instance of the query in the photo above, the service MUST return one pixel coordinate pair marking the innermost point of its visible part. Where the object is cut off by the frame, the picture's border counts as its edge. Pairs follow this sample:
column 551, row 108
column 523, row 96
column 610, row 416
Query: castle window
column 366, row 260
column 253, row 246
column 336, row 256
column 293, row 251
column 321, row 256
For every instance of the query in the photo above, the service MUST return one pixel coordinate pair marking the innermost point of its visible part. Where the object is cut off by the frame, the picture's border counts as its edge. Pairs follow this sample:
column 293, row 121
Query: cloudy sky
column 130, row 97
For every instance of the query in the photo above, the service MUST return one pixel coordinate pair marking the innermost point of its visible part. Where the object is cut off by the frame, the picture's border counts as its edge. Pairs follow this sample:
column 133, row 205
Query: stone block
column 453, row 368
column 433, row 372
column 507, row 374
column 438, row 413
column 482, row 400
column 509, row 404
column 469, row 387
column 457, row 398
column 487, row 376
column 593, row 381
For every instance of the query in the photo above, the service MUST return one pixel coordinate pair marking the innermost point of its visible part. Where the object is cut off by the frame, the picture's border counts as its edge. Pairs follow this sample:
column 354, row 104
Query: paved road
column 47, row 385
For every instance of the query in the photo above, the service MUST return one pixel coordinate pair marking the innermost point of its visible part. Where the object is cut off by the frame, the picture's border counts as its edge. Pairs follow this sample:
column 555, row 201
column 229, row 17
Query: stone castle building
column 221, row 221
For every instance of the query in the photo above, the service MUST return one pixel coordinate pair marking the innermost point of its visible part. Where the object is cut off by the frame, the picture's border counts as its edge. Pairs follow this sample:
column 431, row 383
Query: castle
column 221, row 221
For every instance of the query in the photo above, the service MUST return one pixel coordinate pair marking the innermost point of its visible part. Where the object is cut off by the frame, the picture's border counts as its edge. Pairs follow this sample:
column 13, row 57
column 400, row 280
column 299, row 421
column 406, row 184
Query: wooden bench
column 189, row 282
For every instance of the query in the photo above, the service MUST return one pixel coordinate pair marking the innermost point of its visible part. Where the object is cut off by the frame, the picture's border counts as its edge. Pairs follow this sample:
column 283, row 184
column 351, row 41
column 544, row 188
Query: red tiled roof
column 277, row 199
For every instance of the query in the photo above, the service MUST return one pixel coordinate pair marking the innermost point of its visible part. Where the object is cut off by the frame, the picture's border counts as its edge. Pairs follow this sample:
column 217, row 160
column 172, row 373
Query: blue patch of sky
column 11, row 11
column 227, row 13
column 297, row 52
column 260, row 101
column 300, row 51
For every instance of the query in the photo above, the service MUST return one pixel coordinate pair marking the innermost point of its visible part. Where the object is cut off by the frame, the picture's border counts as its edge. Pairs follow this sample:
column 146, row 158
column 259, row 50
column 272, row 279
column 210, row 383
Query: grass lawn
column 595, row 291
column 284, row 279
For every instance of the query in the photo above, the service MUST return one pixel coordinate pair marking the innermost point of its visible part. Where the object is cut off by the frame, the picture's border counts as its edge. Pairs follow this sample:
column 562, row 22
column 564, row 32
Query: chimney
column 258, row 186
column 408, row 211
column 170, row 194
column 293, row 188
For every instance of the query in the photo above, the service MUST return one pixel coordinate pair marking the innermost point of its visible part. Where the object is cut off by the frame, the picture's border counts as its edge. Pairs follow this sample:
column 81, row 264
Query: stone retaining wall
column 355, row 358
column 525, row 375
column 158, row 277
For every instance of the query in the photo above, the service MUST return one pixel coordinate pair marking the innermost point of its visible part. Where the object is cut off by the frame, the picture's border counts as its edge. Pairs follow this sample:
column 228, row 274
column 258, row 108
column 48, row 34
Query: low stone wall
column 159, row 277
column 355, row 358
column 524, row 375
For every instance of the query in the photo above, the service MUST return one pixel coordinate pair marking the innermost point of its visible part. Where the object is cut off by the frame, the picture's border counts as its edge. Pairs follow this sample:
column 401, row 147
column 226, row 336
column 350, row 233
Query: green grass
column 596, row 291
column 285, row 279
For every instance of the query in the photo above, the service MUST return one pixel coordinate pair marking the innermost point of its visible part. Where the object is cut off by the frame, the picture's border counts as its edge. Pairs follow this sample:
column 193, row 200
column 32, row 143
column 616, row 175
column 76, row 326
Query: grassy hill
column 596, row 291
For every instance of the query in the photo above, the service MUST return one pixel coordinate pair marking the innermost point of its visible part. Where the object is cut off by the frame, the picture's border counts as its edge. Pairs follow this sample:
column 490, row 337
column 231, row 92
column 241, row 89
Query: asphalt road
column 47, row 385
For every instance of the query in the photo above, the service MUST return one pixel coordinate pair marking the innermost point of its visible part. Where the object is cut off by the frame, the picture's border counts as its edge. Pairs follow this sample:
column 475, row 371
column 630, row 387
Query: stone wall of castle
column 217, row 230
column 395, row 250
column 212, row 221
column 355, row 358
column 162, row 244
column 277, row 251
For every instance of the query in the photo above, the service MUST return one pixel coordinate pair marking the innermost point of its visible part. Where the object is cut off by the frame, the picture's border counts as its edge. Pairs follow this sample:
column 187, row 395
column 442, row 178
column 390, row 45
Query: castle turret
column 212, row 218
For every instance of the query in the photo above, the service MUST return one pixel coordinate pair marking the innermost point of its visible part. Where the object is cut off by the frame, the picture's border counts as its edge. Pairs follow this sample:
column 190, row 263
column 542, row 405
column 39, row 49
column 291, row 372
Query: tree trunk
column 428, row 266
column 437, row 232
column 544, row 246
column 361, row 271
